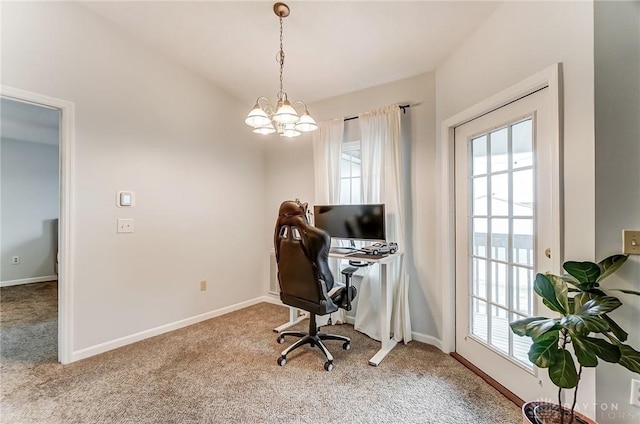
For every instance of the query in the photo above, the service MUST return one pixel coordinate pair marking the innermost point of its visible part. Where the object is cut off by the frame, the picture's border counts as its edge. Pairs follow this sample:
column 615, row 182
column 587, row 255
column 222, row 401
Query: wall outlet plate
column 631, row 242
column 125, row 225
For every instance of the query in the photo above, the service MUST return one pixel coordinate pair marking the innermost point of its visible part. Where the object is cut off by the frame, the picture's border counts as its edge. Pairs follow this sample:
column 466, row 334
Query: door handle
column 547, row 252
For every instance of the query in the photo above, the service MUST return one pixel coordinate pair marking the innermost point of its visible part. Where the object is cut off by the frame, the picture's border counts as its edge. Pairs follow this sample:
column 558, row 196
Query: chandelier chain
column 281, row 60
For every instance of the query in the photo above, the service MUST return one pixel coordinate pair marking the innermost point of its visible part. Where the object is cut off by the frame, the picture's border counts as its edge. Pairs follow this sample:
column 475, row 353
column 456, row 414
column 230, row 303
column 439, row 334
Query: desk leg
column 386, row 295
column 294, row 318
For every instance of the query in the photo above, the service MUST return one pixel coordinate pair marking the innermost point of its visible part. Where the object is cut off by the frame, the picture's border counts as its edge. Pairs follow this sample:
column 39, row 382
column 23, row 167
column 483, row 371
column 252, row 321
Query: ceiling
column 331, row 47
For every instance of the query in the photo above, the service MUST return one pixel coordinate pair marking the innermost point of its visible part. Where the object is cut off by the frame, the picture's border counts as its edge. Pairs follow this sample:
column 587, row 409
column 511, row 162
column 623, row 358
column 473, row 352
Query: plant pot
column 546, row 408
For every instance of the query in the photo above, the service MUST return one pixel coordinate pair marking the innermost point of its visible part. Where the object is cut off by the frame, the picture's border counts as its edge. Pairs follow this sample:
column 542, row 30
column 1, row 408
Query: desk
column 386, row 295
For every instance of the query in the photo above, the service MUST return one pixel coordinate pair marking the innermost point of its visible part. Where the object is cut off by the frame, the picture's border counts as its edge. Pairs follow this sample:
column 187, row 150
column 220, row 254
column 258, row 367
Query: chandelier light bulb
column 286, row 114
column 289, row 131
column 257, row 117
column 267, row 129
column 306, row 123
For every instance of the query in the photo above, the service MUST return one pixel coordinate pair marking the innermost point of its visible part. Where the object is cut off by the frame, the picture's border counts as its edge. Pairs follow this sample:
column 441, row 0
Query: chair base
column 314, row 338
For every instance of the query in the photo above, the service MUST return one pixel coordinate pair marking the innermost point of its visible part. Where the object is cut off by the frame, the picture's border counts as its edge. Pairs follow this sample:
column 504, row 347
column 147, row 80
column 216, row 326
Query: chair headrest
column 291, row 212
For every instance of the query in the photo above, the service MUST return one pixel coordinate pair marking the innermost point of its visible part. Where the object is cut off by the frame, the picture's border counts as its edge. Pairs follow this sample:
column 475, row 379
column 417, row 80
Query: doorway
column 63, row 259
column 547, row 82
column 503, row 216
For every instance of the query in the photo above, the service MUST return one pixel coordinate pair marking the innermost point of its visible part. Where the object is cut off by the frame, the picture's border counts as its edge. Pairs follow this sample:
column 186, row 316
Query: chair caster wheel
column 280, row 339
column 328, row 366
column 282, row 360
column 346, row 346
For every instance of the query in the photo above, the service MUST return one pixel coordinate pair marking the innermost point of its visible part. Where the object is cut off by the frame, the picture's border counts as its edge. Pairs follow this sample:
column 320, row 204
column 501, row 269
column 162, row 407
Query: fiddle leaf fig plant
column 583, row 321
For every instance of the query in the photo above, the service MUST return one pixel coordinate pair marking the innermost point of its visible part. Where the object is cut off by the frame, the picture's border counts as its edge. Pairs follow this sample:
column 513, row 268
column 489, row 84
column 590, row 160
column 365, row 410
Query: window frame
column 347, row 148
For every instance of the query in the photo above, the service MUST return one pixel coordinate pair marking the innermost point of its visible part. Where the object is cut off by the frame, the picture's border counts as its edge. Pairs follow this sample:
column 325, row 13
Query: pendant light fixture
column 283, row 118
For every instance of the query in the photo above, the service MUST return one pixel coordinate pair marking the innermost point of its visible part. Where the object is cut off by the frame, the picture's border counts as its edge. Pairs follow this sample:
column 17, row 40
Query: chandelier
column 283, row 118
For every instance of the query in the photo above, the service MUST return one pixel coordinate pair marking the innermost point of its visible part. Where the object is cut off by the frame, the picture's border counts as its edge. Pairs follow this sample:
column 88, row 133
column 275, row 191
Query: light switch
column 631, row 242
column 125, row 199
column 125, row 225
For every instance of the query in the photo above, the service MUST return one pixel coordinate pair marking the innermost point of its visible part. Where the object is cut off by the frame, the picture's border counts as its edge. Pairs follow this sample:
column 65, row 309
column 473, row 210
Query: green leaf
column 569, row 279
column 544, row 350
column 588, row 286
column 630, row 358
column 584, row 272
column 519, row 326
column 599, row 305
column 591, row 290
column 610, row 265
column 536, row 329
column 561, row 289
column 581, row 299
column 584, row 324
column 615, row 328
column 589, row 349
column 547, row 291
column 563, row 371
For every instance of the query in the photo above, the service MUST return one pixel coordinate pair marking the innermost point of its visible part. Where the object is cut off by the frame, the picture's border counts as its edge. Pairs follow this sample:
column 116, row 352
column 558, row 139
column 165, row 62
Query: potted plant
column 584, row 323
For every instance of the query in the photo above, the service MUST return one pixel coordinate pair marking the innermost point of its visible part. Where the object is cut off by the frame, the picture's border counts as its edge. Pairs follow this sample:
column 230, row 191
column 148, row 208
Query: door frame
column 65, row 236
column 550, row 77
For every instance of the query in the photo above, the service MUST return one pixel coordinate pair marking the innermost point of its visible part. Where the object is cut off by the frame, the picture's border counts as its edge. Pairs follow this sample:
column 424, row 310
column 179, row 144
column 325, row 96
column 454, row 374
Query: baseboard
column 28, row 280
column 493, row 383
column 133, row 338
column 430, row 340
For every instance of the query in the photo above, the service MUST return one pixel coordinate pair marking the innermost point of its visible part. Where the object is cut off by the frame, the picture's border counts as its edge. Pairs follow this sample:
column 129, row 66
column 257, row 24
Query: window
column 502, row 245
column 350, row 173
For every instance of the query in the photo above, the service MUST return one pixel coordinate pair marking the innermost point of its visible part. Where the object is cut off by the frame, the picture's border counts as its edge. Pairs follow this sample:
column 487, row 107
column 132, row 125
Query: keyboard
column 357, row 255
column 341, row 250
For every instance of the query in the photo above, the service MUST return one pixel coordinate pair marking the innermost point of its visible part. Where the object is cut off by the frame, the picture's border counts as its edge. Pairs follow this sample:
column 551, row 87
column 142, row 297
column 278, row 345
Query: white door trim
column 65, row 266
column 445, row 219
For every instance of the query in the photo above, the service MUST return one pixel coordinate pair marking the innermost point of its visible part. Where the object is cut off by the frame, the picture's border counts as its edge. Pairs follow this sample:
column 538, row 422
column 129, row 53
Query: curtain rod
column 403, row 107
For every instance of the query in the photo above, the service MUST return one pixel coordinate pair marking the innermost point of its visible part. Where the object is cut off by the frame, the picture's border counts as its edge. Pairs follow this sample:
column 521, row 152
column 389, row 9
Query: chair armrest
column 348, row 273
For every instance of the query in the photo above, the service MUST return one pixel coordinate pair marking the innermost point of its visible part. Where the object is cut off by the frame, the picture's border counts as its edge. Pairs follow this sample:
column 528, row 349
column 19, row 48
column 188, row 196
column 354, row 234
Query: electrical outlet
column 15, row 260
column 126, row 225
column 631, row 242
column 635, row 393
column 203, row 285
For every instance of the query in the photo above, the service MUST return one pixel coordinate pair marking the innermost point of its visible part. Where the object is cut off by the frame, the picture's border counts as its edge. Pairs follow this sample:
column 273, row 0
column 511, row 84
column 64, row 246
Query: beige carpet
column 224, row 371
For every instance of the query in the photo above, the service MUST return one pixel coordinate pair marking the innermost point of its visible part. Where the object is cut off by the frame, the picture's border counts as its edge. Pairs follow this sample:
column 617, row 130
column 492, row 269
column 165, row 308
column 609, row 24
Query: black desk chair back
column 305, row 277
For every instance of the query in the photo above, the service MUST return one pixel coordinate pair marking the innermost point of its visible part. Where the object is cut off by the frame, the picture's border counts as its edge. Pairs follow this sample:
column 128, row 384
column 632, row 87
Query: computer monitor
column 353, row 222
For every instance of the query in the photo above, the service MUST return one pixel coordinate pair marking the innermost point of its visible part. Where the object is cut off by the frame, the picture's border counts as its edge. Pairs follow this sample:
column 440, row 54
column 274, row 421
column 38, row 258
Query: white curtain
column 327, row 150
column 382, row 183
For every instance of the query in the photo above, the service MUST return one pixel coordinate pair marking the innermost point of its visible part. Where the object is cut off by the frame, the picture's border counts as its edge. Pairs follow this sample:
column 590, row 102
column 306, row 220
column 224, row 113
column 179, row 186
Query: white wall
column 290, row 174
column 29, row 188
column 146, row 125
column 617, row 123
column 516, row 41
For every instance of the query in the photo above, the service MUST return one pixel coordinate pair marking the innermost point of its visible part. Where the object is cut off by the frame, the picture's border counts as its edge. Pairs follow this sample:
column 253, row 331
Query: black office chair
column 305, row 277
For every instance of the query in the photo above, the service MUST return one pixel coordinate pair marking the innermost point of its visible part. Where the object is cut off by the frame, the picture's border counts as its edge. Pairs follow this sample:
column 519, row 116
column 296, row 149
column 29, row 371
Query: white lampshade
column 257, row 117
column 306, row 123
column 286, row 114
column 268, row 129
column 289, row 131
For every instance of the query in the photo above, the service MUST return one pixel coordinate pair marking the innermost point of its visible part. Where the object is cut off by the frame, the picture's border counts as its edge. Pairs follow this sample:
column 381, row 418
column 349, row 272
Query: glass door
column 503, row 227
